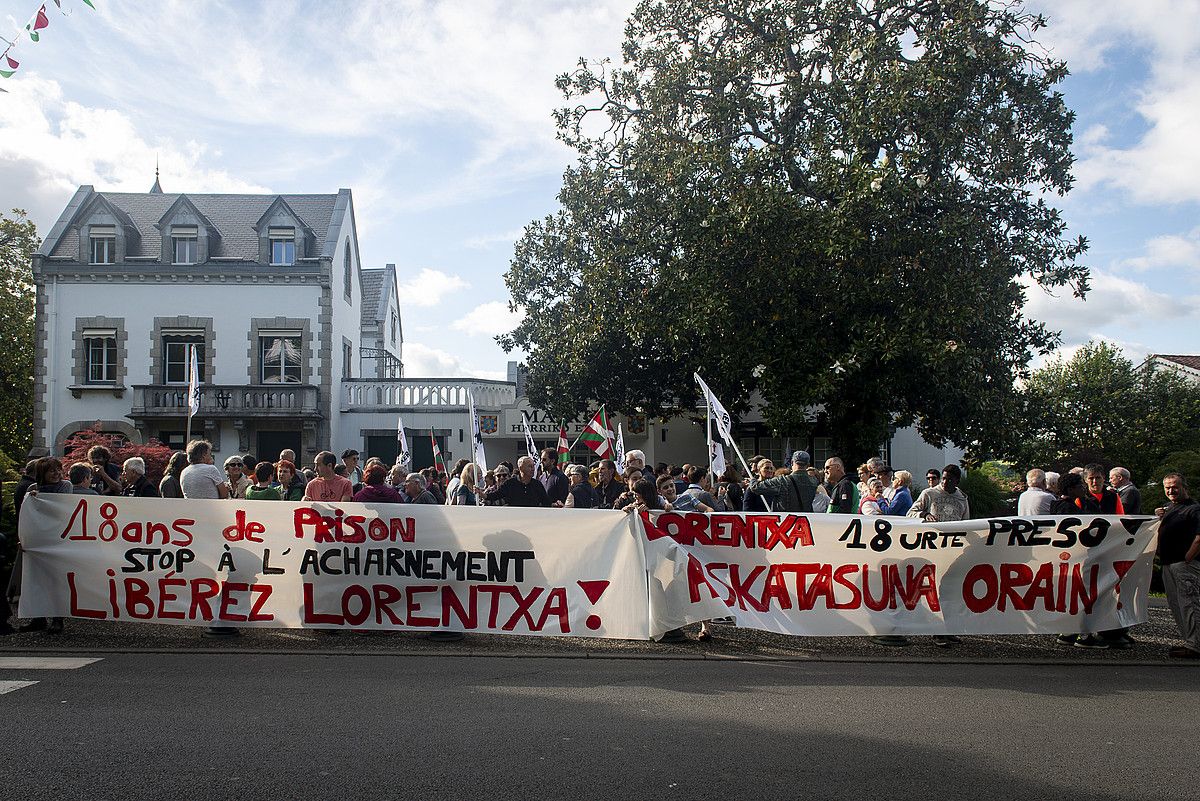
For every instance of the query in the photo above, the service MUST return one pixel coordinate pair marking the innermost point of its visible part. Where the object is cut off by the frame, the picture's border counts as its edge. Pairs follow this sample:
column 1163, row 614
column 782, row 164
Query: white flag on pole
column 193, row 382
column 619, row 456
column 403, row 454
column 530, row 445
column 720, row 415
column 717, row 459
column 478, row 453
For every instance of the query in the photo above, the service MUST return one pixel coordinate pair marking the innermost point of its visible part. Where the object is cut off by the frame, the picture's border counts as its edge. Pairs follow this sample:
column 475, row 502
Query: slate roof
column 1191, row 362
column 233, row 215
column 372, row 291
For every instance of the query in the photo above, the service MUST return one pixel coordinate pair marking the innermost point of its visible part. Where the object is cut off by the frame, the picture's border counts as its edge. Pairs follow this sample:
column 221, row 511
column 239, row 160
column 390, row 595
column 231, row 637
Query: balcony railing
column 228, row 400
column 426, row 394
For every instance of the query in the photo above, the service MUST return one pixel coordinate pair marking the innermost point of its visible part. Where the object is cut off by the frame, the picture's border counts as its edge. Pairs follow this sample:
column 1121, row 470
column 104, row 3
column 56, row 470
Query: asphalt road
column 208, row 726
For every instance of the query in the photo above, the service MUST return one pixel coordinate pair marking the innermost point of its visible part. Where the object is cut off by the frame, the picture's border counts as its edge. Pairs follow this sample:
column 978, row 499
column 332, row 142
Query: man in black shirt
column 1179, row 552
column 840, row 487
column 521, row 490
column 608, row 488
column 554, row 480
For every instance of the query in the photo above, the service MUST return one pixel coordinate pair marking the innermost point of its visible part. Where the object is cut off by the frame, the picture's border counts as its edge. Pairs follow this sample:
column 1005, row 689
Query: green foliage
column 796, row 185
column 1098, row 407
column 988, row 498
column 18, row 242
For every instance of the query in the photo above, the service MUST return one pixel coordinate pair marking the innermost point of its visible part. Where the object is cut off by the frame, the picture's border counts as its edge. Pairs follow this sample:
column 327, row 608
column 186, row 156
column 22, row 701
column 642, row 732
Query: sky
column 438, row 115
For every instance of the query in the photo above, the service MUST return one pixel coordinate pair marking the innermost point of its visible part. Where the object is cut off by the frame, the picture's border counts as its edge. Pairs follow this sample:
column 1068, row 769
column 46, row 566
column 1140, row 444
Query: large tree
column 851, row 194
column 1098, row 406
column 18, row 242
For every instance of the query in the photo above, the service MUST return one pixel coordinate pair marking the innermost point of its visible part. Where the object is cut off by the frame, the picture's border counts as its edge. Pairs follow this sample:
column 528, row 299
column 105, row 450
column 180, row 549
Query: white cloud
column 488, row 241
column 422, row 361
column 1159, row 166
column 489, row 319
column 1168, row 251
column 428, row 287
column 1113, row 300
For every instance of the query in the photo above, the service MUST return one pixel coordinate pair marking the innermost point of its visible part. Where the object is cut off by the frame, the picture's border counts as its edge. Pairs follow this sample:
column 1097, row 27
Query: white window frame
column 286, row 239
column 185, row 234
column 106, row 351
column 283, row 367
column 106, row 234
column 166, row 354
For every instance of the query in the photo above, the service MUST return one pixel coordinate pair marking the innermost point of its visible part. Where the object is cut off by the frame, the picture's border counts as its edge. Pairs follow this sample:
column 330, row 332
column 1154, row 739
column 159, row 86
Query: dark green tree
column 1098, row 406
column 850, row 194
column 18, row 242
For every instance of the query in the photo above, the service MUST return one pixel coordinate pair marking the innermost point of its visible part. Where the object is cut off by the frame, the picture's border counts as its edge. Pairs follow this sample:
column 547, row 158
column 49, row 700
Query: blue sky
column 438, row 117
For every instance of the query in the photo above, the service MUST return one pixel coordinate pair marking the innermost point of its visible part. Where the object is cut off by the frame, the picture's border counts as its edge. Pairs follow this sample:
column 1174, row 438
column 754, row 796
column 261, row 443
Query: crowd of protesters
column 544, row 482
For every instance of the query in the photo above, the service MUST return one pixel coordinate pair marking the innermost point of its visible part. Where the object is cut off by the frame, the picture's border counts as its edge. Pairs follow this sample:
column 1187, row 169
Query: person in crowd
column 353, row 472
column 644, row 497
column 106, row 476
column 581, row 494
column 328, row 486
column 901, row 499
column 730, row 488
column 133, row 475
column 635, row 459
column 80, row 476
column 1179, row 553
column 944, row 503
column 1052, row 480
column 264, row 487
column 489, row 480
column 28, row 479
column 1073, row 497
column 433, row 483
column 288, row 455
column 873, row 503
column 170, row 487
column 291, row 484
column 1122, row 482
column 843, row 497
column 607, row 486
column 700, row 487
column 687, row 502
column 455, row 481
column 677, row 474
column 758, row 502
column 883, row 472
column 466, row 492
column 201, row 478
column 864, row 472
column 632, row 477
column 555, row 481
column 933, row 476
column 793, row 492
column 1109, row 500
column 416, row 488
column 235, row 472
column 1036, row 500
column 48, row 477
column 375, row 488
column 396, row 476
column 521, row 490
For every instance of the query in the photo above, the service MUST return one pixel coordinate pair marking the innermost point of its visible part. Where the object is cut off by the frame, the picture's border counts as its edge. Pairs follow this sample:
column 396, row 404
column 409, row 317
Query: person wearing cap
column 793, row 492
column 581, row 495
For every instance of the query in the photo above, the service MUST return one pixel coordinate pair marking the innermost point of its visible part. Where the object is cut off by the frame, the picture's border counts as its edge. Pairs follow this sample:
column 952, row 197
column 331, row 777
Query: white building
column 299, row 346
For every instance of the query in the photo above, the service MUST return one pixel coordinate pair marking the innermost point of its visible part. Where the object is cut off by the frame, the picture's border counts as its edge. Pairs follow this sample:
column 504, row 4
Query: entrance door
column 270, row 443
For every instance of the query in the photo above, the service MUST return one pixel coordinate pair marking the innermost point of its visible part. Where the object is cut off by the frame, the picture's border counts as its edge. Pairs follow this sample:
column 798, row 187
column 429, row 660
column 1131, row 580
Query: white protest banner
column 276, row 564
column 850, row 575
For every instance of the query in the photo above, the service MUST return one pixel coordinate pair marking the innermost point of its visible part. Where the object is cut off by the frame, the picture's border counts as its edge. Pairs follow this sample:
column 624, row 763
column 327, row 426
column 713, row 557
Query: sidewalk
column 1154, row 638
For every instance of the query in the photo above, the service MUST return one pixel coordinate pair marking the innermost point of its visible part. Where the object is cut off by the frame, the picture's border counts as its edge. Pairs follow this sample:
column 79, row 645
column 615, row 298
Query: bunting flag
column 10, row 66
column 39, row 22
column 619, row 456
column 597, row 435
column 564, row 450
column 530, row 445
column 403, row 454
column 438, row 461
column 193, row 383
column 476, row 435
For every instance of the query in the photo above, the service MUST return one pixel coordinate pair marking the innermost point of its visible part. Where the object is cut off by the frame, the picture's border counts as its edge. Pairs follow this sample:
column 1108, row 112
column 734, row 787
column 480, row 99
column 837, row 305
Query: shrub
column 986, row 497
column 153, row 452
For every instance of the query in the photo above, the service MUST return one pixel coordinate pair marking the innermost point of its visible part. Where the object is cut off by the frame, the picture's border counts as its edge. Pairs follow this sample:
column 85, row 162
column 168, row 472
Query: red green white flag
column 9, row 67
column 564, row 449
column 597, row 435
column 438, row 461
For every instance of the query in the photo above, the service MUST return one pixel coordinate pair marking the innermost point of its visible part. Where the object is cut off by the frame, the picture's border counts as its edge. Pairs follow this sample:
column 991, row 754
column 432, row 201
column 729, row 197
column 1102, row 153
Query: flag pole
column 187, row 436
column 708, row 424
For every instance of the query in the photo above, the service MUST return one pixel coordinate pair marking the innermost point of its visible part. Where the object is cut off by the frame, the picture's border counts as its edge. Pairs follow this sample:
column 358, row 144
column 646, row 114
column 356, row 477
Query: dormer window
column 184, row 244
column 283, row 245
column 103, row 244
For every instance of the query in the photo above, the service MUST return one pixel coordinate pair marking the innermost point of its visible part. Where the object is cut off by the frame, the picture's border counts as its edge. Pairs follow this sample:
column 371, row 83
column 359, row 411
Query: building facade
column 299, row 346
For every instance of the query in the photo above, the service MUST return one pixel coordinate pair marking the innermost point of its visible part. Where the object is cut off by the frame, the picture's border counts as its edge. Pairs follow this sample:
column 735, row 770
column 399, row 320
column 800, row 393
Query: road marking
column 9, row 686
column 45, row 662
